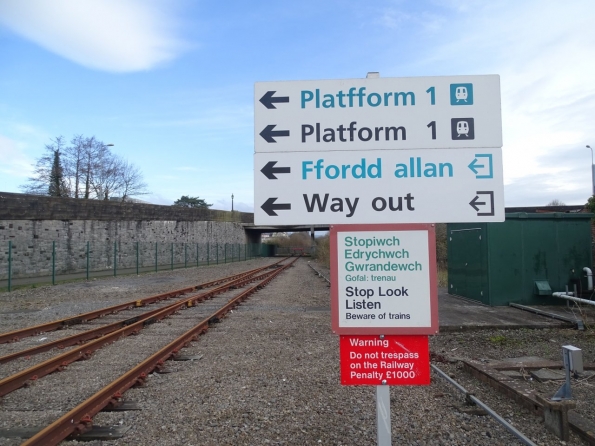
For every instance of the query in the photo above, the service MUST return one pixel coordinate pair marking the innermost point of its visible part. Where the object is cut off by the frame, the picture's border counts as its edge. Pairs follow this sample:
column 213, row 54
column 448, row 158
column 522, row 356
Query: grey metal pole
column 54, row 262
column 9, row 266
column 137, row 258
column 87, row 260
column 592, row 172
column 383, row 428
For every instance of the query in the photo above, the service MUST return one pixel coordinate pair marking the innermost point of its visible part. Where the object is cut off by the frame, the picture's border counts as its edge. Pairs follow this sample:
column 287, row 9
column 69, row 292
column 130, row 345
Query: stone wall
column 71, row 235
column 36, row 207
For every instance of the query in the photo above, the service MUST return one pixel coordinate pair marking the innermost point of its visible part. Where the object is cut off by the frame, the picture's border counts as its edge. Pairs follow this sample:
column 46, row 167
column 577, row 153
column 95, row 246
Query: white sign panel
column 400, row 186
column 378, row 114
column 383, row 280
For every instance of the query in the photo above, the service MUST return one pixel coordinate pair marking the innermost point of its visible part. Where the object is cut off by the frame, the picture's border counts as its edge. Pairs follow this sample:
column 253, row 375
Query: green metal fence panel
column 10, row 265
column 53, row 261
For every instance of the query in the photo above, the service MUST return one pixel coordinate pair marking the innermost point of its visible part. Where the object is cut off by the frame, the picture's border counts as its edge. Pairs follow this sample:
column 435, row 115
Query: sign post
column 380, row 160
column 384, row 280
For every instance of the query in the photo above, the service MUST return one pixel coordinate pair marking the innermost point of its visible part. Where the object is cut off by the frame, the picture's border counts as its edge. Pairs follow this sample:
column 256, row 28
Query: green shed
column 521, row 260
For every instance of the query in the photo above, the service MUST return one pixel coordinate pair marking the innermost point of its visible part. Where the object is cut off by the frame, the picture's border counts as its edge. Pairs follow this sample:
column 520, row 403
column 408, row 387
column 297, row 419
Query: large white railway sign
column 385, row 150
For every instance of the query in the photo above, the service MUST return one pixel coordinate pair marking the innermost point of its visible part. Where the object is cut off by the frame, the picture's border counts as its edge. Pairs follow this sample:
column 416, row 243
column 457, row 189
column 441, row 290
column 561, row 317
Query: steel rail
column 80, row 338
column 59, row 362
column 509, row 427
column 319, row 273
column 15, row 335
column 79, row 419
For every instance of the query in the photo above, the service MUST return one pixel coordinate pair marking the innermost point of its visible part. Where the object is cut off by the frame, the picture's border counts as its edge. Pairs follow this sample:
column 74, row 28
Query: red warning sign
column 394, row 360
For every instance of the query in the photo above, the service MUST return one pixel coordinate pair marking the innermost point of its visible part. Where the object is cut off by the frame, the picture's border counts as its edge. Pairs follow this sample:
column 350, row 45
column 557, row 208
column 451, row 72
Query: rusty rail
column 80, row 338
column 15, row 335
column 79, row 419
column 57, row 363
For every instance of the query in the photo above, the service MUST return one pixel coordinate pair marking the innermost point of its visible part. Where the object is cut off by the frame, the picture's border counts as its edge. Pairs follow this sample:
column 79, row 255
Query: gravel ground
column 269, row 372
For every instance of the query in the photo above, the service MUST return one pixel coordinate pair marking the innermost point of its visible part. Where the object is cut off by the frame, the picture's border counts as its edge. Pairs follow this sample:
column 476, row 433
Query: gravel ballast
column 268, row 373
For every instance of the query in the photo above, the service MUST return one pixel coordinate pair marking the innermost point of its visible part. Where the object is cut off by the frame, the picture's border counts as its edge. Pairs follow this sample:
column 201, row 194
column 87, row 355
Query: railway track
column 185, row 299
column 223, row 295
column 269, row 375
column 16, row 335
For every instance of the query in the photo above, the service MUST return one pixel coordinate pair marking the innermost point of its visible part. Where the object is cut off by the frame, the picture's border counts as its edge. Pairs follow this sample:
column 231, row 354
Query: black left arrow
column 270, row 170
column 269, row 101
column 475, row 204
column 269, row 134
column 270, row 207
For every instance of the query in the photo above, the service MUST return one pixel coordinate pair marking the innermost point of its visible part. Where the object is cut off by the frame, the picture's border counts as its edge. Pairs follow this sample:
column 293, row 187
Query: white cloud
column 224, row 204
column 544, row 52
column 156, row 198
column 110, row 35
column 14, row 162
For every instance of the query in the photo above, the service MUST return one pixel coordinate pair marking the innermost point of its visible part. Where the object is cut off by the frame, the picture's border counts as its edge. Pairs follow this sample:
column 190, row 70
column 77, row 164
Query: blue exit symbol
column 461, row 94
column 482, row 166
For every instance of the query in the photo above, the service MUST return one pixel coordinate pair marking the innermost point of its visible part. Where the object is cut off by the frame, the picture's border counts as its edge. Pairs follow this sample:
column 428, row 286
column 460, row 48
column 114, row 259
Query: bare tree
column 85, row 169
column 39, row 183
column 74, row 164
column 95, row 153
column 107, row 178
column 555, row 202
column 57, row 186
column 131, row 181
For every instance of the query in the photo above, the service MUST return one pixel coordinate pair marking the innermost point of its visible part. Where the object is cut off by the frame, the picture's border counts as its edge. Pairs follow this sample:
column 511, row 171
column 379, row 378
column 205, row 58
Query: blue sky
column 170, row 82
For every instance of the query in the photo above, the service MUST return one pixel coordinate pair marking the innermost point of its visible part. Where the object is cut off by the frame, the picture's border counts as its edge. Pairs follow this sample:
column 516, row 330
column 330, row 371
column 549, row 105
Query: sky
column 171, row 82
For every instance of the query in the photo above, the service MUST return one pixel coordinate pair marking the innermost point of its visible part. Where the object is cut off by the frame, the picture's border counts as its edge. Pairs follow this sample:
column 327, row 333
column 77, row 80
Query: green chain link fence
column 27, row 263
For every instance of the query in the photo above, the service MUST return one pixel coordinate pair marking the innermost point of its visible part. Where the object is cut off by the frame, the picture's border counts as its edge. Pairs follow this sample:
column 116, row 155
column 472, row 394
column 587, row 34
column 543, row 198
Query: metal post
column 54, row 262
column 185, row 255
column 225, row 254
column 172, row 255
column 9, row 265
column 217, row 249
column 115, row 254
column 88, row 260
column 383, row 415
column 155, row 256
column 208, row 254
column 564, row 392
column 197, row 263
column 137, row 258
column 592, row 172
